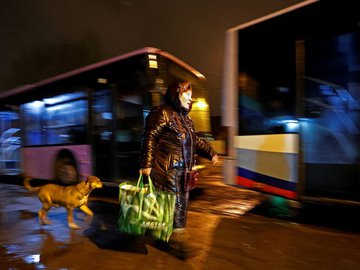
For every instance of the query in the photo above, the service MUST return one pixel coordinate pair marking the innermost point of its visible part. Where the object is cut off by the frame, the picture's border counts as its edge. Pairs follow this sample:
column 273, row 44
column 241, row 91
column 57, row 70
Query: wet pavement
column 226, row 225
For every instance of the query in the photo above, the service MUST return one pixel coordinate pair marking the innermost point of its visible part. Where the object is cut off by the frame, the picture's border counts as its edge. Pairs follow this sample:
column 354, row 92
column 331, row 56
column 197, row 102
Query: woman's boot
column 179, row 244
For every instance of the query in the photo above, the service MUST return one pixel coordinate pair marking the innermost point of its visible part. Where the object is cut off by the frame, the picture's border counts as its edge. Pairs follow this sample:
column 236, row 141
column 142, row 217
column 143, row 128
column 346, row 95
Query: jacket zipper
column 191, row 144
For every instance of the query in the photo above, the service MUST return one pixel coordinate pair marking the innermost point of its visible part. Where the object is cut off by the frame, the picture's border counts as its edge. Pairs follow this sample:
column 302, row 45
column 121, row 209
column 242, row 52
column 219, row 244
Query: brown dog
column 69, row 197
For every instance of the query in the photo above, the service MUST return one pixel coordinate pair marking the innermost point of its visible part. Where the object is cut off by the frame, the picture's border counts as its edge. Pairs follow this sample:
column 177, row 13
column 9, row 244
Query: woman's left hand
column 215, row 159
column 145, row 171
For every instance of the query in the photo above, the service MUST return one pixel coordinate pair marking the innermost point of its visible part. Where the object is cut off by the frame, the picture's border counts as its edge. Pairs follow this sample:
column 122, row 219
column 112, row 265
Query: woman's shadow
column 104, row 233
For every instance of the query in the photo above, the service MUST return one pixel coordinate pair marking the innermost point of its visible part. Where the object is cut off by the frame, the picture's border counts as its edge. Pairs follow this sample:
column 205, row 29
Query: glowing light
column 59, row 107
column 63, row 98
column 36, row 105
column 102, row 80
column 201, row 104
column 153, row 64
column 53, row 100
column 33, row 258
column 152, row 56
column 292, row 126
column 106, row 115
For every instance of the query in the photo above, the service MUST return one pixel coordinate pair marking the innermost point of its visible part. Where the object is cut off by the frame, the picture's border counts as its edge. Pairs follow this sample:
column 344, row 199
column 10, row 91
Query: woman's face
column 186, row 99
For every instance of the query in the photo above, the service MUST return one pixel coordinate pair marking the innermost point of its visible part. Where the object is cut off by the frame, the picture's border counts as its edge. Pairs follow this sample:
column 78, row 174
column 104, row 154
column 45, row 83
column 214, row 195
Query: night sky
column 42, row 38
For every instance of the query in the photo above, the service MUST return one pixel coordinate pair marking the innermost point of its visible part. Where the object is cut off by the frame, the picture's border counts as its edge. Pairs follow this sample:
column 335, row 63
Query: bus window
column 32, row 118
column 55, row 120
column 330, row 129
column 65, row 123
column 266, row 82
column 10, row 143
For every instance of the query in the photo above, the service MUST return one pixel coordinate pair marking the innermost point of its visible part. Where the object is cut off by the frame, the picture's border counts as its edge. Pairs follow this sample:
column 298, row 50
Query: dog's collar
column 85, row 191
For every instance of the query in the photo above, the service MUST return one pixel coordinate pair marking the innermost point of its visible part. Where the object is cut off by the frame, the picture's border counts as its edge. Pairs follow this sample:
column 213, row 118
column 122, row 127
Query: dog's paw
column 44, row 221
column 74, row 226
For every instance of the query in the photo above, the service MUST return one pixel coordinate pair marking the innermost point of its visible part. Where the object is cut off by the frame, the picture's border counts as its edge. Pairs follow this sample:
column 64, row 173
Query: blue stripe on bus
column 265, row 179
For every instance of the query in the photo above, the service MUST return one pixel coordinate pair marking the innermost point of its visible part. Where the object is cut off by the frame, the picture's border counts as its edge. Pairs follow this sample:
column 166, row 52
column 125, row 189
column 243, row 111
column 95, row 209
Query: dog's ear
column 91, row 178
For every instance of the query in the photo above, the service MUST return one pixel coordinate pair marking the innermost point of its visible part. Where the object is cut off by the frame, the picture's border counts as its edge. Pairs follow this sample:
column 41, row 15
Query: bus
column 292, row 103
column 89, row 121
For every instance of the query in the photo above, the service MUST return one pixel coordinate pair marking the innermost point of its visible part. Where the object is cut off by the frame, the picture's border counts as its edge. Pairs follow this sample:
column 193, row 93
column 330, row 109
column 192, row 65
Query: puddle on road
column 224, row 207
column 232, row 201
column 10, row 258
column 19, row 256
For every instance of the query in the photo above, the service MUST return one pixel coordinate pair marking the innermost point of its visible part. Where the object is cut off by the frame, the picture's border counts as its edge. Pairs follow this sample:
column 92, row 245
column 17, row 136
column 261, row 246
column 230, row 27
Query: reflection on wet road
column 223, row 228
column 217, row 198
column 27, row 245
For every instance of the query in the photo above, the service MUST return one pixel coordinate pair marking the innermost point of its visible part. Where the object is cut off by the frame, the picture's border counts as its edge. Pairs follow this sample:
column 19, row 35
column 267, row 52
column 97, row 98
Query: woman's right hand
column 145, row 171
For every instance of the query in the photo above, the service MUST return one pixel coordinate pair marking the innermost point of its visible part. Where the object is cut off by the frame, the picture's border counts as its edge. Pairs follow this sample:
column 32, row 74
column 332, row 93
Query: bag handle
column 140, row 183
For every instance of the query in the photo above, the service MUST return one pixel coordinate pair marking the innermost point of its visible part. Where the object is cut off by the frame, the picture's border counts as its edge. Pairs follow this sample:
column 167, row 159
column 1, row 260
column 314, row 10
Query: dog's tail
column 28, row 186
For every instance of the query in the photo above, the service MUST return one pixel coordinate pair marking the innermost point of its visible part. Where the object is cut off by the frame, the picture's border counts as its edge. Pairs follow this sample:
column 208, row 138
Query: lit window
column 102, row 80
column 153, row 64
column 152, row 57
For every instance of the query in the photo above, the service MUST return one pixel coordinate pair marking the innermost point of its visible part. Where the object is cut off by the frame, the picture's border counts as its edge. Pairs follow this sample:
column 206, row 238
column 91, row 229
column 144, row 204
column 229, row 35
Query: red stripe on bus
column 245, row 182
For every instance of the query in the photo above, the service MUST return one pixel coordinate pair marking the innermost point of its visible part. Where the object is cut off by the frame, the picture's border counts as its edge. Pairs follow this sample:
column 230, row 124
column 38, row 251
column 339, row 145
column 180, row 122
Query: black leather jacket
column 163, row 150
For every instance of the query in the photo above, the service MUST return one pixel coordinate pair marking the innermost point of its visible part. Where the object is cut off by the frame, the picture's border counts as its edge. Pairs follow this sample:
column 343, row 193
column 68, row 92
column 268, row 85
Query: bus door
column 129, row 128
column 103, row 139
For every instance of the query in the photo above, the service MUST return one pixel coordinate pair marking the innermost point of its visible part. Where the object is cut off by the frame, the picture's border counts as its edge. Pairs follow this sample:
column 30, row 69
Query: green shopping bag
column 144, row 210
